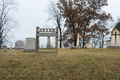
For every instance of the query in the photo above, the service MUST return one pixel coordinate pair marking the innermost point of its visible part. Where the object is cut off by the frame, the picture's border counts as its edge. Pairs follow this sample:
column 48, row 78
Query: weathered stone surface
column 5, row 48
column 19, row 45
column 30, row 45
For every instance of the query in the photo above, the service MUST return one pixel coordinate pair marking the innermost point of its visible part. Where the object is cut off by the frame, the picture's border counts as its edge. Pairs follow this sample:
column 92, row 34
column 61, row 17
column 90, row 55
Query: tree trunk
column 0, row 40
column 75, row 42
column 58, row 22
column 83, row 40
column 83, row 43
column 102, row 40
column 60, row 38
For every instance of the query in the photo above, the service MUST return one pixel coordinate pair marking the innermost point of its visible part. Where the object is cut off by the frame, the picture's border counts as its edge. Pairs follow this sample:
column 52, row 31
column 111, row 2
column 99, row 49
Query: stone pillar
column 62, row 45
column 37, row 39
column 77, row 45
column 48, row 43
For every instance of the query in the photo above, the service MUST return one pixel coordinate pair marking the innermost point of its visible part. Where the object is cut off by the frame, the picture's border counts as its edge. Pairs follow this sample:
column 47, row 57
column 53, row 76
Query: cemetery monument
column 115, row 37
column 47, row 32
column 19, row 45
column 30, row 45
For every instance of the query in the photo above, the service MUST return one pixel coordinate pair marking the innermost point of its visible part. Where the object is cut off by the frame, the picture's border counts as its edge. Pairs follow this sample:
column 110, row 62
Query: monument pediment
column 118, row 26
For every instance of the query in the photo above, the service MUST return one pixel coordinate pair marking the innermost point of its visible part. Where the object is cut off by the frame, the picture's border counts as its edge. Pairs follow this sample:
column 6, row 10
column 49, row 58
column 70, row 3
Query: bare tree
column 6, row 20
column 55, row 15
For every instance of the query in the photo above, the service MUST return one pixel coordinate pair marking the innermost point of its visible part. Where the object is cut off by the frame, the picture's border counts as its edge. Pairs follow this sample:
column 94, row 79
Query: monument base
column 19, row 48
column 29, row 50
column 49, row 46
column 77, row 47
column 114, row 47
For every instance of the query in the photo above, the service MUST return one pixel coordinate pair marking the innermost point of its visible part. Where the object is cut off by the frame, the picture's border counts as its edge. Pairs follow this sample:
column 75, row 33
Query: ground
column 68, row 64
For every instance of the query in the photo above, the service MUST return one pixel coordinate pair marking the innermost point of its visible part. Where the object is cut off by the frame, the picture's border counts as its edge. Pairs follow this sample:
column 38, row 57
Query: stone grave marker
column 108, row 43
column 77, row 45
column 19, row 45
column 5, row 48
column 30, row 45
column 48, row 43
column 89, row 45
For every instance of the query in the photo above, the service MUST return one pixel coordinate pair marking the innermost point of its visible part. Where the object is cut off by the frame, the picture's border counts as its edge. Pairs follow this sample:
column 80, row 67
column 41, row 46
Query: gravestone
column 30, row 45
column 77, row 45
column 4, row 48
column 108, row 43
column 19, row 45
column 89, row 45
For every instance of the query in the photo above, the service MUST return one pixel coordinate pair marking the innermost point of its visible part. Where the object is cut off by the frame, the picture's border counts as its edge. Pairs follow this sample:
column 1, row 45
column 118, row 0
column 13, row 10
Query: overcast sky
column 33, row 13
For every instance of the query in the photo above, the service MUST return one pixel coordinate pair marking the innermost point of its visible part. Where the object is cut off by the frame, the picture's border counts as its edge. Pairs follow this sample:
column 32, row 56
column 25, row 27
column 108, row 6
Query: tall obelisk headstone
column 62, row 45
column 48, row 43
column 77, row 45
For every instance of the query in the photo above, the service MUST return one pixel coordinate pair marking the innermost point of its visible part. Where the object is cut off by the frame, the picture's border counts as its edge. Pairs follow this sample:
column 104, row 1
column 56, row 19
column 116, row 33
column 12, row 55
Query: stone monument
column 19, row 45
column 62, row 45
column 48, row 43
column 108, row 43
column 89, row 45
column 5, row 48
column 30, row 45
column 77, row 45
column 43, row 32
column 115, row 37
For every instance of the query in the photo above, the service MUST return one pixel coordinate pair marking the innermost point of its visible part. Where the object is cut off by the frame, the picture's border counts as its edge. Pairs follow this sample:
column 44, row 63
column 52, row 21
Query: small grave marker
column 5, row 48
column 19, row 45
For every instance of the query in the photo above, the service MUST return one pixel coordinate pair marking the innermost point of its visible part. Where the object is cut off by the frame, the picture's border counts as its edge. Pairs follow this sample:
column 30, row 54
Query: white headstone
column 77, row 45
column 19, row 45
column 30, row 45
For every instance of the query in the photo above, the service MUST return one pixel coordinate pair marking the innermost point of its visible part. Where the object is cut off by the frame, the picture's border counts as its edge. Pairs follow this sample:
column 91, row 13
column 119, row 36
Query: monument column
column 77, row 45
column 48, row 43
column 62, row 45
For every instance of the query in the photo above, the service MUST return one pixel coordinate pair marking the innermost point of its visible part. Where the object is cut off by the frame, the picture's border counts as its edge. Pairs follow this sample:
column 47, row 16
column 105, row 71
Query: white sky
column 33, row 13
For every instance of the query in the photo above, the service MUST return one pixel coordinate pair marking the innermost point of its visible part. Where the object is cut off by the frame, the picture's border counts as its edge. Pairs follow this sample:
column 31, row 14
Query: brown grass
column 68, row 64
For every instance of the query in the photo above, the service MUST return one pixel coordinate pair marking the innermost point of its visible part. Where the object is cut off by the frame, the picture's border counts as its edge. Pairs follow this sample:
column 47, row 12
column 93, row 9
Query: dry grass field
column 68, row 64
